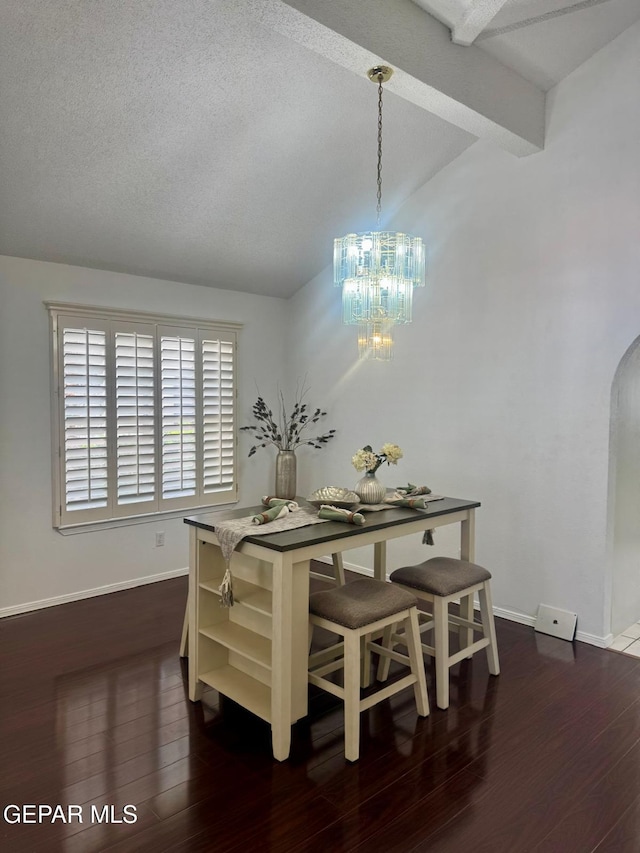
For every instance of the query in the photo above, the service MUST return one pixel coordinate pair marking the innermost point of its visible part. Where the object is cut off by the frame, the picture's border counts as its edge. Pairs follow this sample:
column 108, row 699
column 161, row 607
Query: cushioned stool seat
column 355, row 611
column 441, row 581
column 441, row 575
column 360, row 602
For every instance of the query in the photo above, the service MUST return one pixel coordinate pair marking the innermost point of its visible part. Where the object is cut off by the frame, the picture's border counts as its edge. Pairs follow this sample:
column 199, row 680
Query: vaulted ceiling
column 226, row 143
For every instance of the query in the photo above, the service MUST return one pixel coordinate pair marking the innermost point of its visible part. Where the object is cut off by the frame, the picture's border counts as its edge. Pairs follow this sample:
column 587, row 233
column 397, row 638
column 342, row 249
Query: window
column 143, row 414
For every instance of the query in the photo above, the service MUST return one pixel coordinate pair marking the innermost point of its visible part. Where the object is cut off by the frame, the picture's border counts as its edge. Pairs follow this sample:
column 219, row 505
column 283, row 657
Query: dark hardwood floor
column 94, row 711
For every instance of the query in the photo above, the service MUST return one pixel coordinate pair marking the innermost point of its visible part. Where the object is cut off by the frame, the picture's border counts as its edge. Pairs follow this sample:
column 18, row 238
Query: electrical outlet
column 558, row 623
column 160, row 539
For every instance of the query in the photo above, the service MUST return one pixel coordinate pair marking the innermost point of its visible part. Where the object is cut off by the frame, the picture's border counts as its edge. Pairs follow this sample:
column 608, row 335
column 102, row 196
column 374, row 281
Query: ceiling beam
column 464, row 86
column 474, row 20
column 538, row 19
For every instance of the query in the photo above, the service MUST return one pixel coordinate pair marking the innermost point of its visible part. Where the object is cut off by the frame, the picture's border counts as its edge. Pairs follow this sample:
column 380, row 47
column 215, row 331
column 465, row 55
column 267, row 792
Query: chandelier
column 378, row 270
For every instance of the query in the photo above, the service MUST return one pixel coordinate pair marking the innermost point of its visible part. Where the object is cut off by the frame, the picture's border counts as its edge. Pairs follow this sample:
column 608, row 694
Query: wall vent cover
column 558, row 623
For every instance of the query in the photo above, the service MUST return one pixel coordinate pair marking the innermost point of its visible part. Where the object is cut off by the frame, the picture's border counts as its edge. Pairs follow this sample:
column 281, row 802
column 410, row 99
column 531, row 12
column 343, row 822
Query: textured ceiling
column 185, row 141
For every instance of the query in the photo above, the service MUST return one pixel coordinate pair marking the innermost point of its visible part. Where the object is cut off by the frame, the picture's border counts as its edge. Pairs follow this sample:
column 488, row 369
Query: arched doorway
column 624, row 522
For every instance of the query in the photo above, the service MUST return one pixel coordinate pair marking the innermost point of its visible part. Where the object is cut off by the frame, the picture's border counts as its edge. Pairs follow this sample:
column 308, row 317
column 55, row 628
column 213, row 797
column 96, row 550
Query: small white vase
column 369, row 489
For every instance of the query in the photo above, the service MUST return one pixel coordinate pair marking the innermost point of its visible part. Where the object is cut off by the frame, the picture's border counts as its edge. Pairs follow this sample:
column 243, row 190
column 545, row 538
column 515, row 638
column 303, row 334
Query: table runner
column 232, row 531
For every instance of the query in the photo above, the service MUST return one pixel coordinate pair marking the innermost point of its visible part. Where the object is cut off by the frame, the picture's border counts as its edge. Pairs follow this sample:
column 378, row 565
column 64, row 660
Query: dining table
column 255, row 652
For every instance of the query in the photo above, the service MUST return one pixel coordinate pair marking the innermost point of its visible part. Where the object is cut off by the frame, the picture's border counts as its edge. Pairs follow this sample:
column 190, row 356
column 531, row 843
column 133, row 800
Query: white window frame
column 114, row 321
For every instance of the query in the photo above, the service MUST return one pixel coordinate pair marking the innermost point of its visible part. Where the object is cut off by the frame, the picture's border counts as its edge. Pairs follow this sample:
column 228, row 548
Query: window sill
column 109, row 523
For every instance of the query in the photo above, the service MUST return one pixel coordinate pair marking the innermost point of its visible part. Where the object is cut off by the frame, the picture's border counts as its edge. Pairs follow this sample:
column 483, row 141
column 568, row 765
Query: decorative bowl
column 334, row 495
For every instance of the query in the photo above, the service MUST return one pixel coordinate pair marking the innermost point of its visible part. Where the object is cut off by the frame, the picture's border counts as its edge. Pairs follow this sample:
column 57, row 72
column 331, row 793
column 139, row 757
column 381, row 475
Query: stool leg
column 489, row 626
column 384, row 662
column 412, row 636
column 441, row 645
column 351, row 695
column 338, row 568
column 466, row 612
column 365, row 660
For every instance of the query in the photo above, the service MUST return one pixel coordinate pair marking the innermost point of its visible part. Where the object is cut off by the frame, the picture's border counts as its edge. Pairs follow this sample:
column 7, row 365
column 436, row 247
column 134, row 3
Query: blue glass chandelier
column 378, row 270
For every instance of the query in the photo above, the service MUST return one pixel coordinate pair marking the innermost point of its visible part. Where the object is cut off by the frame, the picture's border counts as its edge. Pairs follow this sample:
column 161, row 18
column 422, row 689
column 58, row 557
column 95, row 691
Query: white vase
column 369, row 489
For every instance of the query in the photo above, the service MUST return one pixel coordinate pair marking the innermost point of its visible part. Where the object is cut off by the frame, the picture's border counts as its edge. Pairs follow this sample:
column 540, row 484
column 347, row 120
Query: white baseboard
column 503, row 613
column 351, row 567
column 515, row 616
column 526, row 619
column 89, row 593
column 594, row 639
column 511, row 615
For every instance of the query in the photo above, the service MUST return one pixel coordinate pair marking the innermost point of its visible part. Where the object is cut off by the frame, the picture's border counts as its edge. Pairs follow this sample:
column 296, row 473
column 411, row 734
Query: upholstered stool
column 354, row 611
column 440, row 581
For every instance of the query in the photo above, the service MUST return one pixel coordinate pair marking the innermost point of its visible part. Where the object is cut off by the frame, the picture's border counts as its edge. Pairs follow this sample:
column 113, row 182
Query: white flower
column 392, row 452
column 366, row 460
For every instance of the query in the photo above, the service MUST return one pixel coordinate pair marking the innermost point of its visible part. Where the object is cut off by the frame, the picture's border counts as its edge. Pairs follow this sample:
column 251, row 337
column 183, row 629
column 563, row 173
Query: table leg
column 380, row 561
column 289, row 646
column 184, row 640
column 195, row 687
column 467, row 552
column 467, row 537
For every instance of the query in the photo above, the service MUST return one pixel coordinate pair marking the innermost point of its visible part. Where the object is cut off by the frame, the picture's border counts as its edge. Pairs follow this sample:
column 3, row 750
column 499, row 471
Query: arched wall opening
column 624, row 493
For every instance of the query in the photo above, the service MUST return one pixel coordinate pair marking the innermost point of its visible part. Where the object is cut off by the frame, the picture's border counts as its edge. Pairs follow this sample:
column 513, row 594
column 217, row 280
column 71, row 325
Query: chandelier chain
column 379, row 205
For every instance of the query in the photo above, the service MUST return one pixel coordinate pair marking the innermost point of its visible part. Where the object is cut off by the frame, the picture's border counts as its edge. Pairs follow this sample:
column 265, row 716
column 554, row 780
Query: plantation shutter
column 178, row 400
column 144, row 415
column 83, row 406
column 135, row 450
column 218, row 413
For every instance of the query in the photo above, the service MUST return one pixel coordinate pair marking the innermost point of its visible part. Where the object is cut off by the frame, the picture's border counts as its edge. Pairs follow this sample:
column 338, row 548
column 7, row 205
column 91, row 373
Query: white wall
column 500, row 389
column 36, row 562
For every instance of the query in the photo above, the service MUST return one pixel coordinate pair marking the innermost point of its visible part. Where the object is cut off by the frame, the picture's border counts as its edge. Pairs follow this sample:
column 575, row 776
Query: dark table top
column 313, row 534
